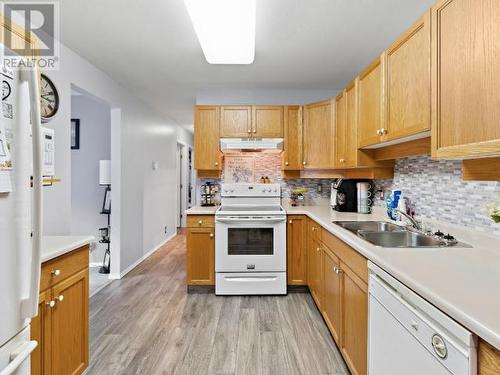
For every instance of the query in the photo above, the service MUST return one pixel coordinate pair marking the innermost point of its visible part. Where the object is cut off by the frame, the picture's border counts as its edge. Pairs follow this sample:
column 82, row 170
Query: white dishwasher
column 409, row 336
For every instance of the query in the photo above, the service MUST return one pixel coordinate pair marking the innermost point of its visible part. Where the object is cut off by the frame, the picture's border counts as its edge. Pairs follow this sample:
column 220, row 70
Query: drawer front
column 349, row 256
column 200, row 221
column 56, row 270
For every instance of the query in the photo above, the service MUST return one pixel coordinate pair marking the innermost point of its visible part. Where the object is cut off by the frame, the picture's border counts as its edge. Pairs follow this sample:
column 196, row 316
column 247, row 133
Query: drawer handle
column 55, row 272
column 439, row 346
column 51, row 304
column 60, row 298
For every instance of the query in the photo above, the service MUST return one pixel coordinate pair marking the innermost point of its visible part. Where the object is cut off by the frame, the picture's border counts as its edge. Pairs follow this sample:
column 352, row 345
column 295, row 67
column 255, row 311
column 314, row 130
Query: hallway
column 146, row 323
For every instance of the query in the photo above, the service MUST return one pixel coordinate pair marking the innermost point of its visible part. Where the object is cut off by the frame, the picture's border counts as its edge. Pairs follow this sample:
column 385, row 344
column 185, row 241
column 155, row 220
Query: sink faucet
column 412, row 221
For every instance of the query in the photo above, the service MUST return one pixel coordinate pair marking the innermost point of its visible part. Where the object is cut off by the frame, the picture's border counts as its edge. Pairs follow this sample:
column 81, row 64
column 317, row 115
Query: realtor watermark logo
column 40, row 19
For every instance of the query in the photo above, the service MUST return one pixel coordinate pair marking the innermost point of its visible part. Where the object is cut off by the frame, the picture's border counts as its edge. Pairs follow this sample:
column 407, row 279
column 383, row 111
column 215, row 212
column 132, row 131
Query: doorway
column 91, row 179
column 184, row 182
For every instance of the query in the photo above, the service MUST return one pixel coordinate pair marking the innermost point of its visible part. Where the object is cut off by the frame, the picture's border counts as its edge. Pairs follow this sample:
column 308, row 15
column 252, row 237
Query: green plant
column 493, row 211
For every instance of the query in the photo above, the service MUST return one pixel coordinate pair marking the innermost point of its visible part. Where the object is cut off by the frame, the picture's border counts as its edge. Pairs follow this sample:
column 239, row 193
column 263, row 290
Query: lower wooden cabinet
column 297, row 250
column 201, row 254
column 314, row 273
column 62, row 325
column 354, row 342
column 332, row 294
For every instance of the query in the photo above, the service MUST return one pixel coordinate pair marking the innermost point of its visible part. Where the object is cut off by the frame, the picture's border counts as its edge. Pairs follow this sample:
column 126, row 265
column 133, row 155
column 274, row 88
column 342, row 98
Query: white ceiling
column 152, row 49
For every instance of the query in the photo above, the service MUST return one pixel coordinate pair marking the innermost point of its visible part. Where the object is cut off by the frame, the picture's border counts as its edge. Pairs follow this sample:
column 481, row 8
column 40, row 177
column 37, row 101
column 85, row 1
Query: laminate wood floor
column 146, row 323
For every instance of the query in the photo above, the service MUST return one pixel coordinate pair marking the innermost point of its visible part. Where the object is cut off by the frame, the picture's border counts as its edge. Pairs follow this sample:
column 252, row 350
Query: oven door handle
column 250, row 220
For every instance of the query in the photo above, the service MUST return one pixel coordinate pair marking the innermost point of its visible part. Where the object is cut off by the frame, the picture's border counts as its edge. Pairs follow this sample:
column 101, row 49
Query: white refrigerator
column 20, row 215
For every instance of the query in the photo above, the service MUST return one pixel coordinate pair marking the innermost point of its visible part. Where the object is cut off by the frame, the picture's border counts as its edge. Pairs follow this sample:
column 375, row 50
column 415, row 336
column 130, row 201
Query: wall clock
column 49, row 98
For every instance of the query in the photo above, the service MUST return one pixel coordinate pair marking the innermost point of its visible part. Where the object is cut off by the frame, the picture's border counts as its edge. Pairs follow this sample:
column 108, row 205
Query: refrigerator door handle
column 18, row 357
column 29, row 305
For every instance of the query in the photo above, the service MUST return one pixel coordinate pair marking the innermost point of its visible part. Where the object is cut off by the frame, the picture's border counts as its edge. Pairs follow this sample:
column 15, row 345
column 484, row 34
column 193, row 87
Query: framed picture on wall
column 75, row 134
column 106, row 204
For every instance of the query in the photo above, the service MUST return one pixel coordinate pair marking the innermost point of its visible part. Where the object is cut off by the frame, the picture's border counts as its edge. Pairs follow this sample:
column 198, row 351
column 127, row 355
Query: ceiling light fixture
column 225, row 29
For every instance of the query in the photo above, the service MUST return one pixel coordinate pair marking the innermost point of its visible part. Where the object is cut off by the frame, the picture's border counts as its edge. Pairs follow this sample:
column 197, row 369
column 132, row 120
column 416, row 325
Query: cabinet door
column 332, row 294
column 235, row 121
column 297, row 250
column 200, row 256
column 407, row 86
column 355, row 321
column 206, row 138
column 314, row 270
column 318, row 135
column 370, row 105
column 267, row 121
column 41, row 331
column 340, row 131
column 465, row 80
column 351, row 134
column 70, row 324
column 292, row 153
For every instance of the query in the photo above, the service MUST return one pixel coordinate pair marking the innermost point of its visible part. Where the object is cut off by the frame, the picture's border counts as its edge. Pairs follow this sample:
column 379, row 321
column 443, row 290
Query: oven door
column 250, row 243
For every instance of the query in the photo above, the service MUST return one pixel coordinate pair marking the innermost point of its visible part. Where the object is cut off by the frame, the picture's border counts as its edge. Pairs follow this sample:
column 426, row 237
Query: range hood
column 228, row 145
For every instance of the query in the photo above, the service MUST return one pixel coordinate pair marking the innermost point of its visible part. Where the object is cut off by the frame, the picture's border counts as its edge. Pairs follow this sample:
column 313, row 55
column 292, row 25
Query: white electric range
column 250, row 240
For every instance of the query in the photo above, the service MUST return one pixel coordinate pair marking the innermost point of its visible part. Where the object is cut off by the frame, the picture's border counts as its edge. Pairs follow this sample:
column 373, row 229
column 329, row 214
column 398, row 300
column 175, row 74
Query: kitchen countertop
column 199, row 210
column 464, row 283
column 54, row 246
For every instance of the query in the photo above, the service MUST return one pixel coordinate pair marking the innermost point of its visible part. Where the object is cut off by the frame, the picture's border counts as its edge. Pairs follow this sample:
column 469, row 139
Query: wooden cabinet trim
column 193, row 261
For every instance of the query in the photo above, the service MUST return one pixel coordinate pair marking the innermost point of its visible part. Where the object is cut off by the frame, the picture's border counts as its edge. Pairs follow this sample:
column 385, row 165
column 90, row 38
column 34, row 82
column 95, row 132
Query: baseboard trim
column 95, row 264
column 116, row 276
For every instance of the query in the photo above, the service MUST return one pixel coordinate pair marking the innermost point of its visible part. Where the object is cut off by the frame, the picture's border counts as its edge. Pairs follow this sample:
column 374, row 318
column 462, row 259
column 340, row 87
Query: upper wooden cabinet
column 235, row 121
column 207, row 155
column 292, row 150
column 370, row 91
column 267, row 121
column 346, row 144
column 465, row 78
column 407, row 83
column 260, row 121
column 318, row 135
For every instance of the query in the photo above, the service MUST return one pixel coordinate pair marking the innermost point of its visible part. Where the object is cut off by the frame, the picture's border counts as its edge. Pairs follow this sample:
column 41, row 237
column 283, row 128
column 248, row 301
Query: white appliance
column 250, row 240
column 407, row 335
column 228, row 145
column 20, row 218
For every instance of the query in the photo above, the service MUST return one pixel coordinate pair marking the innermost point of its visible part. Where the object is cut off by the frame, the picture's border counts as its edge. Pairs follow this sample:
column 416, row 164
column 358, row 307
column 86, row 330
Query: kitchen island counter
column 55, row 246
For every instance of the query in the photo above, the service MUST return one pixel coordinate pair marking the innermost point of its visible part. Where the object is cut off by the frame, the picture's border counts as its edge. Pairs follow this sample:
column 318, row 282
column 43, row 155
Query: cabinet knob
column 249, row 131
column 211, row 235
column 304, row 162
column 379, row 132
column 51, row 303
column 200, row 222
column 383, row 131
column 60, row 298
column 290, row 221
column 254, row 131
column 216, row 163
column 342, row 160
column 286, row 163
column 55, row 272
column 338, row 271
column 317, row 249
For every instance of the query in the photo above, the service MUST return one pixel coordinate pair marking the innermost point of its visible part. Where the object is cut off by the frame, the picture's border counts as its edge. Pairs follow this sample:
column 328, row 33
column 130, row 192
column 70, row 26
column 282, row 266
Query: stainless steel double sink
column 385, row 234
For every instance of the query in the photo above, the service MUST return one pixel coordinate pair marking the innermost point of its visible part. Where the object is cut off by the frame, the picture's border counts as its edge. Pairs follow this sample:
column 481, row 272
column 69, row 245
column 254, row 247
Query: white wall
column 147, row 197
column 264, row 97
column 95, row 144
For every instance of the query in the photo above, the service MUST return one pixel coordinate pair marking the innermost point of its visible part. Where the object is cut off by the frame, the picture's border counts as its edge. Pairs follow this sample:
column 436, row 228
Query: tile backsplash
column 438, row 192
column 436, row 188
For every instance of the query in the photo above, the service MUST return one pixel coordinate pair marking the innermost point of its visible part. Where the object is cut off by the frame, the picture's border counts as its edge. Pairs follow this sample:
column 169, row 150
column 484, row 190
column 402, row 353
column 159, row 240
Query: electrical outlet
column 165, row 229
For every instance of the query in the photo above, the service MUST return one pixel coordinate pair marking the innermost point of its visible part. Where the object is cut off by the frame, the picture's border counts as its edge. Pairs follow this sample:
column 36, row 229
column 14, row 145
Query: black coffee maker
column 344, row 197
